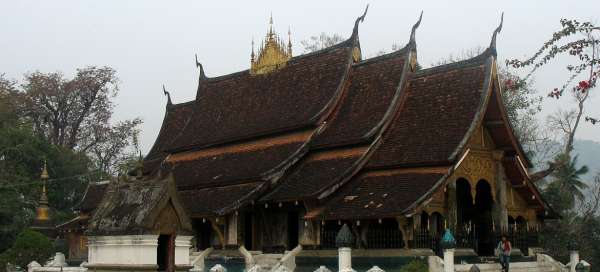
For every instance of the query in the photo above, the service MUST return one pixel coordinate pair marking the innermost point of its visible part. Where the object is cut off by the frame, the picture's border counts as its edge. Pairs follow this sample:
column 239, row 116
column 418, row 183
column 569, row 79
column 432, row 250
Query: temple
column 284, row 153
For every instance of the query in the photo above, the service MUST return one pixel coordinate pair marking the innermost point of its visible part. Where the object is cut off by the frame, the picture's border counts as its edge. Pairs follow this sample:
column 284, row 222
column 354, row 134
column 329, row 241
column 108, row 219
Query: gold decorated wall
column 481, row 162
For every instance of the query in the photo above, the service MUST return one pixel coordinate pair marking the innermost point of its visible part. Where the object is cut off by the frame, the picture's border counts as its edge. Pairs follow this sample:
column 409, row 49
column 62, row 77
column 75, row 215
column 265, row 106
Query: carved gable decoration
column 476, row 167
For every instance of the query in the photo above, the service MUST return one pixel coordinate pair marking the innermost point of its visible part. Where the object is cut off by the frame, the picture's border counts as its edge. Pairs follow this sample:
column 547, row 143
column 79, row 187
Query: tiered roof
column 327, row 126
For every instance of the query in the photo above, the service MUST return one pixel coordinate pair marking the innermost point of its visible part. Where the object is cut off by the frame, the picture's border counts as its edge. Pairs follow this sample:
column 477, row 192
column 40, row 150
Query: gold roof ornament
column 272, row 53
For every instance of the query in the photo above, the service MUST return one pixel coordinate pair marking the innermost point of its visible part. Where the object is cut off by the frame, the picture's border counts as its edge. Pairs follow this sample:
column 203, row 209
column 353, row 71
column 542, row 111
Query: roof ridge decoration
column 359, row 20
column 356, row 54
column 412, row 44
column 414, row 30
column 496, row 31
column 199, row 66
column 272, row 53
column 166, row 93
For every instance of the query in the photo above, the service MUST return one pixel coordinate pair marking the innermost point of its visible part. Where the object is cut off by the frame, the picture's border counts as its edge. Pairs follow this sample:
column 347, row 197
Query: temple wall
column 133, row 250
column 123, row 250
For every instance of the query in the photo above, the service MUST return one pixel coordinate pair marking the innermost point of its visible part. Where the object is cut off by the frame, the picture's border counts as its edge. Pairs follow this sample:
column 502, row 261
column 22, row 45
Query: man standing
column 504, row 249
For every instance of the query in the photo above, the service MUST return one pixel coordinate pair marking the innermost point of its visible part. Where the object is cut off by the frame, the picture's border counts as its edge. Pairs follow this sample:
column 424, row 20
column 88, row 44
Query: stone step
column 514, row 267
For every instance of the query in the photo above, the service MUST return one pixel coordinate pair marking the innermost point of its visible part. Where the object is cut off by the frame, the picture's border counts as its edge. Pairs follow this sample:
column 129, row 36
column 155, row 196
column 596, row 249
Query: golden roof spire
column 252, row 54
column 289, row 41
column 272, row 53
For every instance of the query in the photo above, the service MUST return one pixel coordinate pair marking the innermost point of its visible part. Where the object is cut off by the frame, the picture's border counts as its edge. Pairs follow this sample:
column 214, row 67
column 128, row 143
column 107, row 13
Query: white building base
column 133, row 252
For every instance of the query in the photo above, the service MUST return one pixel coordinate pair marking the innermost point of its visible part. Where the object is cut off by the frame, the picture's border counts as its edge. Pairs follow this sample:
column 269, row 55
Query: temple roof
column 92, row 196
column 133, row 207
column 174, row 120
column 218, row 200
column 327, row 125
column 378, row 194
column 241, row 105
column 237, row 163
column 439, row 110
column 369, row 97
column 317, row 172
column 371, row 92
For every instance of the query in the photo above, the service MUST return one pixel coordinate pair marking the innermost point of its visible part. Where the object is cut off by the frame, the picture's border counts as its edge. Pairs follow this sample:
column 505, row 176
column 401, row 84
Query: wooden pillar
column 232, row 230
column 404, row 229
column 452, row 216
column 219, row 233
column 309, row 233
column 500, row 212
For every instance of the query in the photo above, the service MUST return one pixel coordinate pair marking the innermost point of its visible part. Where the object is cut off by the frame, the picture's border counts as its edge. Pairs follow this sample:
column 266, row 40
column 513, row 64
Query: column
column 500, row 204
column 232, row 230
column 452, row 209
column 309, row 233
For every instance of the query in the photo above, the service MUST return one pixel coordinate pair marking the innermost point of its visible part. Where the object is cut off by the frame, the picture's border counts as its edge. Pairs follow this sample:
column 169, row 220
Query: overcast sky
column 151, row 43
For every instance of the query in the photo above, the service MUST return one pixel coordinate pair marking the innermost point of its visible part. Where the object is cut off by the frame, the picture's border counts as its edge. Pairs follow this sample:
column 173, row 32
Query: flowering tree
column 576, row 39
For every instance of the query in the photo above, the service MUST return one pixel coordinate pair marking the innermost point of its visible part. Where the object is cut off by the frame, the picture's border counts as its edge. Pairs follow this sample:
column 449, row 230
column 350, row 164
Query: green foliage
column 416, row 265
column 29, row 246
column 566, row 186
column 22, row 154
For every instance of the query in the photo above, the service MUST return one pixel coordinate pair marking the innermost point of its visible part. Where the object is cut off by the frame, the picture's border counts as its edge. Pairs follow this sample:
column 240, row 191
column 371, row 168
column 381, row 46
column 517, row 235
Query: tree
column 29, row 246
column 76, row 113
column 568, row 184
column 67, row 123
column 585, row 49
column 323, row 40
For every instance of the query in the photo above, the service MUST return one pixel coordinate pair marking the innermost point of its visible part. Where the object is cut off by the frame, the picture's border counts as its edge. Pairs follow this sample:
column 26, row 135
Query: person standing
column 504, row 249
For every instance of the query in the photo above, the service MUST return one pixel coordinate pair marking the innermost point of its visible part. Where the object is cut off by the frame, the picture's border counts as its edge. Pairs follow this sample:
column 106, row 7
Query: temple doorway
column 293, row 229
column 165, row 253
column 249, row 233
column 483, row 218
column 464, row 203
column 203, row 230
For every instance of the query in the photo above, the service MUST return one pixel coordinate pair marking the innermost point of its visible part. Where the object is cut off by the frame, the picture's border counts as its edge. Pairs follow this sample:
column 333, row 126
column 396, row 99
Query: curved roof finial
column 199, row 65
column 414, row 29
column 498, row 29
column 359, row 20
column 168, row 96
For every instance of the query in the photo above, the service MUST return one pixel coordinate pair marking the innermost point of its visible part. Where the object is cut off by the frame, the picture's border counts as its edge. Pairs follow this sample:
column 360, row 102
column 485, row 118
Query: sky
column 151, row 43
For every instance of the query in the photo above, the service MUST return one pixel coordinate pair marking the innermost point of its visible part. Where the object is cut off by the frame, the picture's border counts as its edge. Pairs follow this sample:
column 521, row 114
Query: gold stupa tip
column 44, row 174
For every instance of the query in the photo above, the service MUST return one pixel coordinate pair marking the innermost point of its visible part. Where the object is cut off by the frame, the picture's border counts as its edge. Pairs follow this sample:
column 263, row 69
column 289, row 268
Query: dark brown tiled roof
column 374, row 84
column 125, row 207
column 440, row 106
column 378, row 194
column 92, row 196
column 241, row 105
column 132, row 206
column 211, row 201
column 319, row 171
column 244, row 161
column 175, row 117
